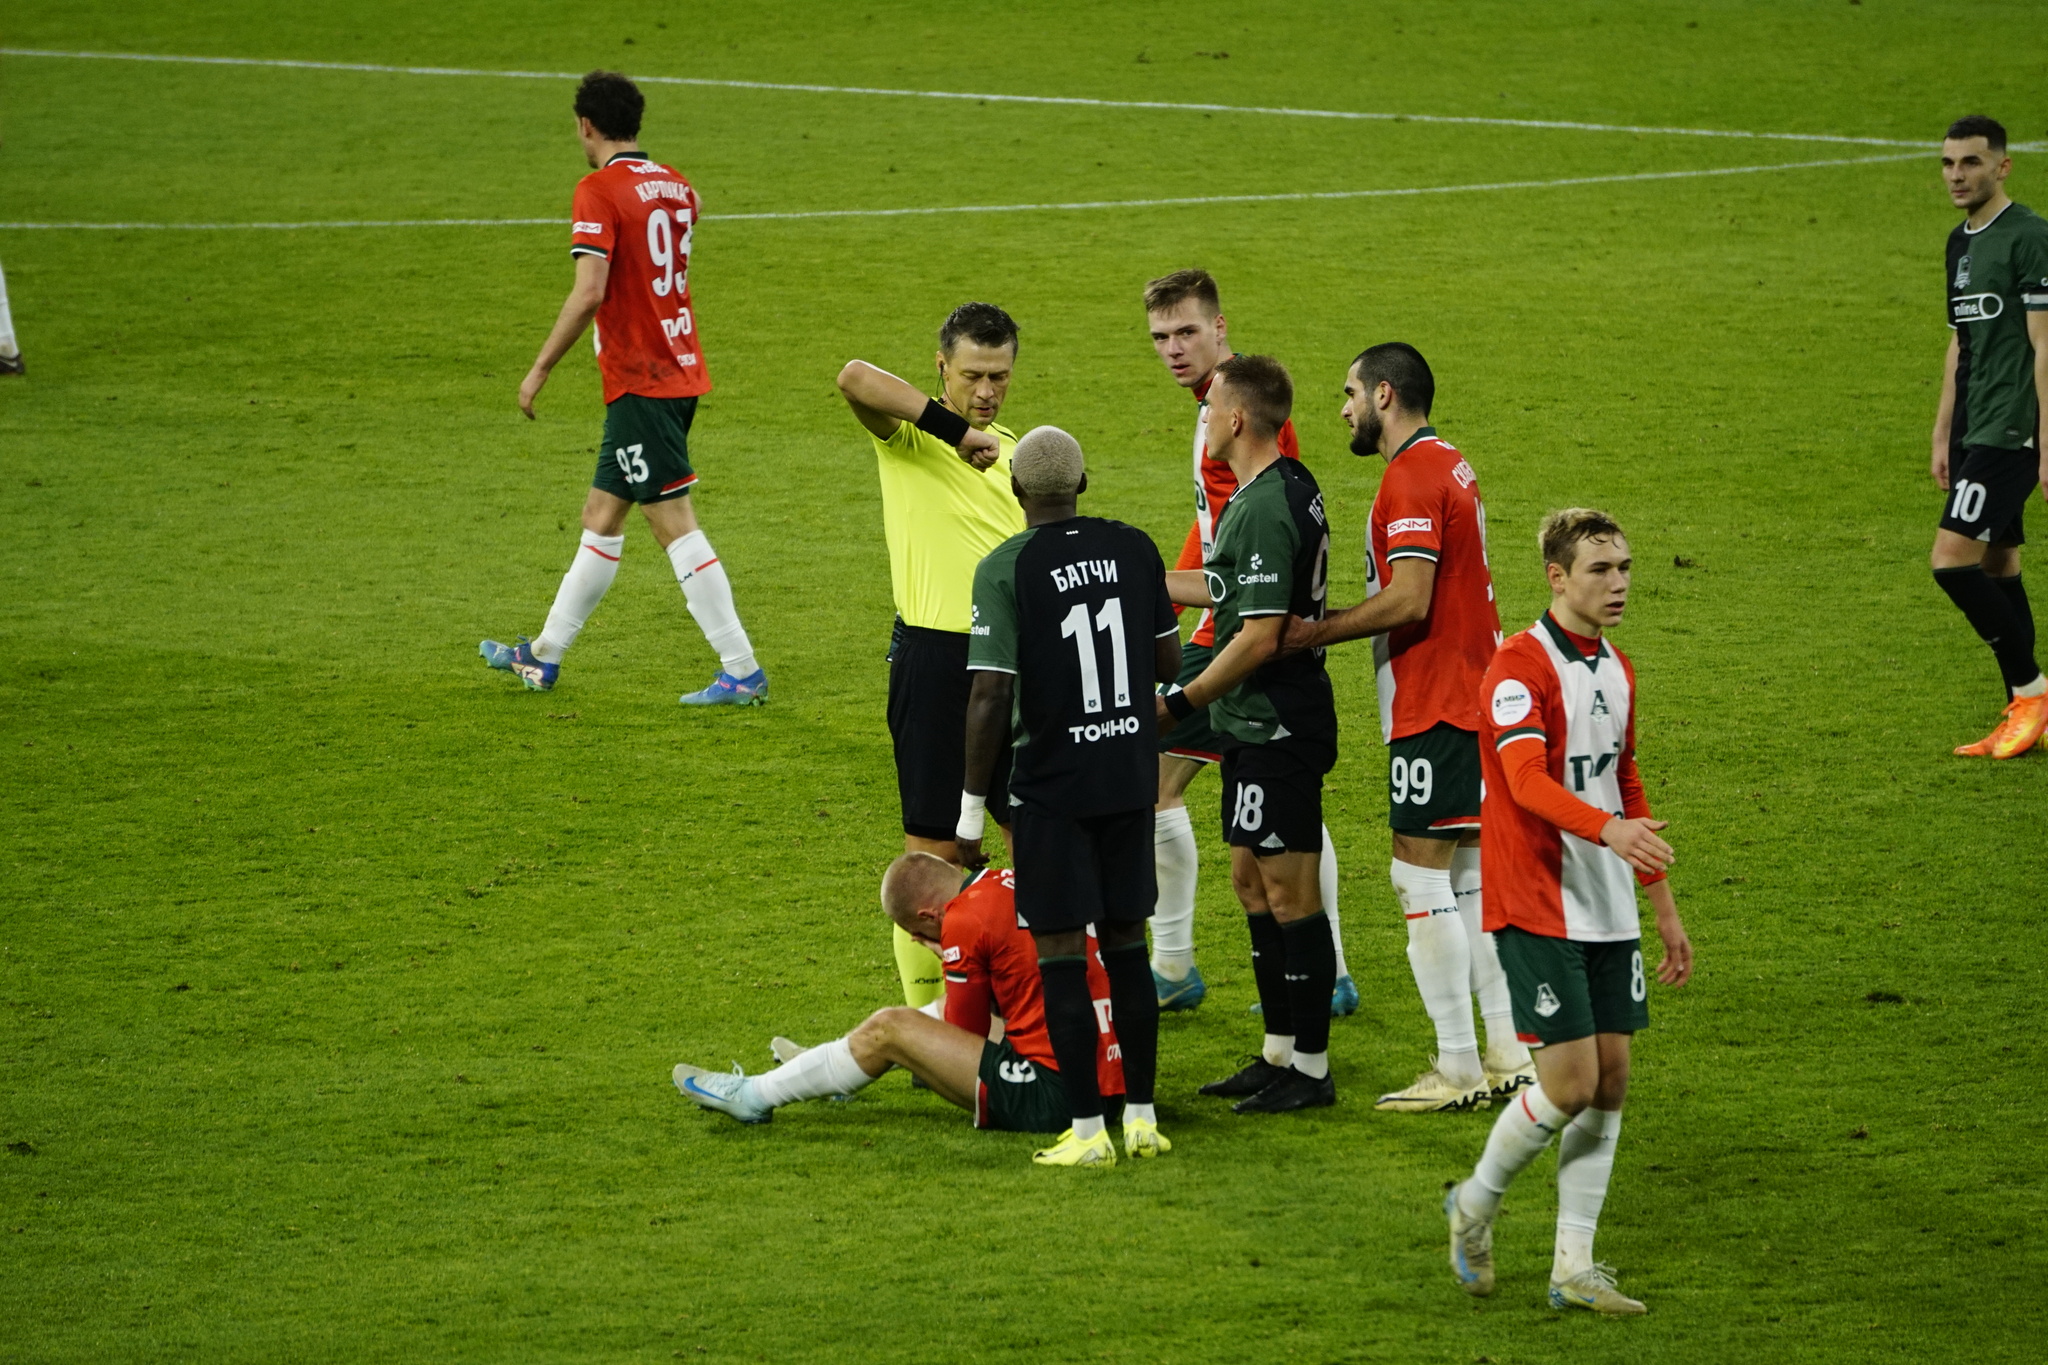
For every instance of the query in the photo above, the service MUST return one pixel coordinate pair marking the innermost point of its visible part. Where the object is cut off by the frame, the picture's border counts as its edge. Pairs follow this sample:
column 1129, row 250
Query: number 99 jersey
column 639, row 215
column 1072, row 609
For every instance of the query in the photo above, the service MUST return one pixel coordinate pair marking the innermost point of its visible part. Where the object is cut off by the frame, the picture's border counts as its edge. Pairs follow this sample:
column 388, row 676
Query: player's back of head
column 1262, row 387
column 917, row 881
column 612, row 103
column 1169, row 292
column 1401, row 368
column 1047, row 463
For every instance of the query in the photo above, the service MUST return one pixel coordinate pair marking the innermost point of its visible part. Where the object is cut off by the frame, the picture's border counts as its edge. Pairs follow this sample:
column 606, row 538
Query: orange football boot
column 2025, row 722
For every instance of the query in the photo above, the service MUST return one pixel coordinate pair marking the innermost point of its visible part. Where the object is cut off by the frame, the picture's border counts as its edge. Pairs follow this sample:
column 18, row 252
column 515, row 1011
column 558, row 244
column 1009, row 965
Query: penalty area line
column 1074, row 206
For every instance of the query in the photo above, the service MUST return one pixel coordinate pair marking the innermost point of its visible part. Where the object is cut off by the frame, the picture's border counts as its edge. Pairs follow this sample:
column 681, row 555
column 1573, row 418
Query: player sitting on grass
column 1566, row 824
column 991, row 973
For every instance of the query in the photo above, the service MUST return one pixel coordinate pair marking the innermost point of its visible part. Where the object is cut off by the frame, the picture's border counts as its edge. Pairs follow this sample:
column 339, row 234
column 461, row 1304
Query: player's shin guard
column 918, row 968
column 1519, row 1136
column 1991, row 615
column 816, row 1073
column 1489, row 982
column 583, row 587
column 1176, row 860
column 1326, row 882
column 1311, row 975
column 1269, row 971
column 1070, row 1021
column 1441, row 956
column 1585, row 1163
column 709, row 594
column 1134, row 1009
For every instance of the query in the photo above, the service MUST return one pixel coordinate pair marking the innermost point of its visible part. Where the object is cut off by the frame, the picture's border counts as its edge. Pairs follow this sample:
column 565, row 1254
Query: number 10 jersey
column 639, row 215
column 1072, row 609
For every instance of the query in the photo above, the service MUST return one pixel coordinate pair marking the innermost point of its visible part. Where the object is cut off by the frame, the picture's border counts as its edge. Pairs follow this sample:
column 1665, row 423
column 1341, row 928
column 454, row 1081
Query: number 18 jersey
column 1072, row 608
column 639, row 215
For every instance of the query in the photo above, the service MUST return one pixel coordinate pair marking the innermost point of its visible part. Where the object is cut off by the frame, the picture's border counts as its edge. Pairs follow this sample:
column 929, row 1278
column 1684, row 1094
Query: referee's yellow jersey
column 941, row 516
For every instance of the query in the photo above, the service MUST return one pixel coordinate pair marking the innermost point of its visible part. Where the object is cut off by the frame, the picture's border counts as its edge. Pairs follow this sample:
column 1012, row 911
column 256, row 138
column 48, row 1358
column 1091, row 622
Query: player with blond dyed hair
column 1567, row 827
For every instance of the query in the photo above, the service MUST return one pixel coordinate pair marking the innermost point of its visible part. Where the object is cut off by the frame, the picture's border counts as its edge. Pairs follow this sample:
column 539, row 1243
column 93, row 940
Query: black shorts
column 1076, row 871
column 1433, row 783
column 1194, row 738
column 646, row 452
column 928, row 686
column 1017, row 1095
column 1273, row 795
column 1988, row 490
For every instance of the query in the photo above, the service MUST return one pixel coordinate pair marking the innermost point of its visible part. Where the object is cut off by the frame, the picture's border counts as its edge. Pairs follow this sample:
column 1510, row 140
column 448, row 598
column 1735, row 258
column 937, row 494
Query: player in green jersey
column 1278, row 723
column 1988, row 449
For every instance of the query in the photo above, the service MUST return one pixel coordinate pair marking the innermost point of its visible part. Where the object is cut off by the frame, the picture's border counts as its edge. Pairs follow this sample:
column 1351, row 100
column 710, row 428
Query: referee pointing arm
column 946, row 502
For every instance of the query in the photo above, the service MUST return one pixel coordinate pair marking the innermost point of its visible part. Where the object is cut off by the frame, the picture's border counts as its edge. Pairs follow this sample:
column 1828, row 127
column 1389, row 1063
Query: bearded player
column 1185, row 318
column 631, row 243
column 991, row 973
column 1430, row 612
column 1568, row 836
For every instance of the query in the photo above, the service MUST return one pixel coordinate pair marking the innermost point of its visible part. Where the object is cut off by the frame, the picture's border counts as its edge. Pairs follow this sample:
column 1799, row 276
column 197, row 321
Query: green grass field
column 341, row 978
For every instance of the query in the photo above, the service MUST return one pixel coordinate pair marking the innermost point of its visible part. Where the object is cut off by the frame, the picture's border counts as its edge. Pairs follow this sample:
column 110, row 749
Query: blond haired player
column 1568, row 836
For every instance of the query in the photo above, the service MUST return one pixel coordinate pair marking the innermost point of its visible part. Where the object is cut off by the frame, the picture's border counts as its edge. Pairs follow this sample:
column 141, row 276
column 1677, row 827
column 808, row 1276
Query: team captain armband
column 942, row 422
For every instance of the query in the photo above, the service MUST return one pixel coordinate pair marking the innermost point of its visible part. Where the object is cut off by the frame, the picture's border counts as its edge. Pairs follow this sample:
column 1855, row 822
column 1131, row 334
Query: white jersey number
column 1251, row 807
column 664, row 250
column 1412, row 781
column 1074, row 626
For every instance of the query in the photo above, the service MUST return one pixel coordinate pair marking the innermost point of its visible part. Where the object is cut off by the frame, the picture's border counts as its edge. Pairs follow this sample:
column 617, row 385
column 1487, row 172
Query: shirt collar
column 1567, row 643
column 627, row 156
column 1423, row 434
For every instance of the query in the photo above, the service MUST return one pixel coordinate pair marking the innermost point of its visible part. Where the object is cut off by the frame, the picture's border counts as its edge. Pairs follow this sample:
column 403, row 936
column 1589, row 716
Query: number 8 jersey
column 639, row 214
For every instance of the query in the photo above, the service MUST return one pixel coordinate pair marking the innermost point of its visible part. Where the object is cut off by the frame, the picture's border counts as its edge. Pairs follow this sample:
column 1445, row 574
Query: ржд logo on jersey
column 1511, row 701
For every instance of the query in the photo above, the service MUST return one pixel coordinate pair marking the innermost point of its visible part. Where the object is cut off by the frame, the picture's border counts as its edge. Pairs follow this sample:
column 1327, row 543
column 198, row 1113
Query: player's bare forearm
column 2037, row 332
column 1166, row 658
column 1944, row 416
column 1255, row 642
column 1676, row 968
column 585, row 297
column 1188, row 588
column 988, row 727
column 1405, row 599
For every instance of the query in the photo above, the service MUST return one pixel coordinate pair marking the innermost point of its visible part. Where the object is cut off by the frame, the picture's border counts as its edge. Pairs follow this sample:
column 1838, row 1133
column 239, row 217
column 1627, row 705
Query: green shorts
column 1193, row 738
column 1017, row 1095
column 1563, row 989
column 1433, row 783
column 646, row 452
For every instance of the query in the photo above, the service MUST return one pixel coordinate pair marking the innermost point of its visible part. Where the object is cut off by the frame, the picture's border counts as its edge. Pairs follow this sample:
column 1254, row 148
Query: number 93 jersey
column 1072, row 610
column 639, row 215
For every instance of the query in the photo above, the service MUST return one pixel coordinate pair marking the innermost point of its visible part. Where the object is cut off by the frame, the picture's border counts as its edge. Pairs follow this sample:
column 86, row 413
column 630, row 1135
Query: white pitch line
column 1070, row 206
column 1566, row 125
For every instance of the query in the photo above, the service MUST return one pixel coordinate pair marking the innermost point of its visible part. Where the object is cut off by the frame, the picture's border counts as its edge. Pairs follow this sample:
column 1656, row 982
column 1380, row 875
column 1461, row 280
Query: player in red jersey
column 634, row 218
column 991, row 973
column 1184, row 315
column 1430, row 612
column 1567, row 824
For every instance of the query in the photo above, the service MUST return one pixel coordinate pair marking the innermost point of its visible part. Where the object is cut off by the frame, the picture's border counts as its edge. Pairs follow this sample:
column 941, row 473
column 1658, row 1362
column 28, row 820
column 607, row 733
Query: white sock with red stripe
column 1585, row 1163
column 583, row 587
column 1504, row 1051
column 709, row 593
column 1326, row 882
column 827, row 1069
column 1519, row 1136
column 1441, row 957
column 1176, row 861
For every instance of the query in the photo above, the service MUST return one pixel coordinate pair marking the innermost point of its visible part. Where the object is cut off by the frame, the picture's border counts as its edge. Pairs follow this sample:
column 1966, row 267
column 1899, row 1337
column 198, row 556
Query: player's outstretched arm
column 988, row 727
column 1410, row 588
column 2037, row 332
column 592, row 271
column 1945, row 413
column 1676, row 968
column 881, row 402
column 1188, row 588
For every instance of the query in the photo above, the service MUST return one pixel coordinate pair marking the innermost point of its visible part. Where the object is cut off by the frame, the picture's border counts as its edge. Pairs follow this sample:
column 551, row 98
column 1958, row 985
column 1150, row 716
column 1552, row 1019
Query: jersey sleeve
column 968, row 983
column 992, row 634
column 2030, row 266
column 1265, row 562
column 1414, row 510
column 595, row 229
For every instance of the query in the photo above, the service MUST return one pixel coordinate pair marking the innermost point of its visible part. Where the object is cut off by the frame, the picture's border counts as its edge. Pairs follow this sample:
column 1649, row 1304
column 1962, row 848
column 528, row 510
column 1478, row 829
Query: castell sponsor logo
column 1546, row 1001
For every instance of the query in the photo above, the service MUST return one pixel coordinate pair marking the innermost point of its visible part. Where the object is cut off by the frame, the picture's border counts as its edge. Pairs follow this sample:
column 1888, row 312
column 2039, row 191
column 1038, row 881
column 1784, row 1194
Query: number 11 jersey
column 1072, row 608
column 639, row 215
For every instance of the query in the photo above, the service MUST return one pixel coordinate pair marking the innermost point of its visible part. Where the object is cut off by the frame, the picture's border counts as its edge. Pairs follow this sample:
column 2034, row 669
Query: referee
column 946, row 502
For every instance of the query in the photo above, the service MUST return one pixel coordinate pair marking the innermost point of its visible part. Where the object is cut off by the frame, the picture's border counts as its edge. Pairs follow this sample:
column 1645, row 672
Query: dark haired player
column 1184, row 314
column 1988, row 448
column 1071, row 627
column 1568, row 836
column 631, row 243
column 1430, row 612
column 1278, row 721
column 945, row 469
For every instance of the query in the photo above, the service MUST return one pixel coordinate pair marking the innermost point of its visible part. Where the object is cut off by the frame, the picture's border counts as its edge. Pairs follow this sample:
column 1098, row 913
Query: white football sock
column 827, row 1069
column 583, row 587
column 1088, row 1128
column 1313, row 1064
column 1504, row 1051
column 8, row 346
column 1442, row 960
column 2034, row 688
column 1278, row 1049
column 1519, row 1136
column 1326, row 881
column 1176, row 859
column 1585, row 1162
column 1136, row 1112
column 709, row 593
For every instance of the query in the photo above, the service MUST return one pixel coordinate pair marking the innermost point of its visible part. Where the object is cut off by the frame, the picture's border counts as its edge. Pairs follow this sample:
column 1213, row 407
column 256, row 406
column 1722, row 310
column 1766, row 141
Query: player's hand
column 1637, row 843
column 1162, row 716
column 967, row 852
column 1676, row 968
column 1937, row 465
column 530, row 390
column 1295, row 636
column 980, row 449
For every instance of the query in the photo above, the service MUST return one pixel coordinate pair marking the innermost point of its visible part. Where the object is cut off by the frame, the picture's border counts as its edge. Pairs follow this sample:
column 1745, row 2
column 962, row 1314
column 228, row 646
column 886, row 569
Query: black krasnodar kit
column 1072, row 609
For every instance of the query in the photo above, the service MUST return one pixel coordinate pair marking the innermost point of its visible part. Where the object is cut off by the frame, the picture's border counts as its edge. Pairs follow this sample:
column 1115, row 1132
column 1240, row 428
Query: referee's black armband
column 1178, row 706
column 942, row 422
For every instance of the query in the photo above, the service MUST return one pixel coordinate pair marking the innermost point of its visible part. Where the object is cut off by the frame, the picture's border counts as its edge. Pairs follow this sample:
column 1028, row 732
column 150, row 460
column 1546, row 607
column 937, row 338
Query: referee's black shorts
column 928, row 686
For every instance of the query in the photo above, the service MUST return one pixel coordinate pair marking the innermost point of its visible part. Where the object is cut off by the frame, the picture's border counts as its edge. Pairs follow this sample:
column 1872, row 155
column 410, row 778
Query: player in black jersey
column 1071, row 627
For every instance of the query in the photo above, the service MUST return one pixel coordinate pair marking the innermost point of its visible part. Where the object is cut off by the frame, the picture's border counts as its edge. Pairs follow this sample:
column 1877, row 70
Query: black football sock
column 1311, row 976
column 1070, row 1020
column 1990, row 613
column 2023, row 611
column 1134, row 1009
column 1269, row 970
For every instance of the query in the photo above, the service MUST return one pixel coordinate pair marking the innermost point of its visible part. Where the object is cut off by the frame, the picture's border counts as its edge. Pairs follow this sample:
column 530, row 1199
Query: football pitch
column 340, row 979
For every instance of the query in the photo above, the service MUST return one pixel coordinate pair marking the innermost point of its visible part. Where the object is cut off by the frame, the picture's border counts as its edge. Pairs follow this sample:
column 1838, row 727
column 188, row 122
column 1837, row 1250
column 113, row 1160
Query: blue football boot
column 518, row 660
column 726, row 690
column 1185, row 994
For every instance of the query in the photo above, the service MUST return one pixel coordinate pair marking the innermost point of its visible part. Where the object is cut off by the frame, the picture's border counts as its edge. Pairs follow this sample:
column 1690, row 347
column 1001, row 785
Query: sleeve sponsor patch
column 953, row 953
column 586, row 229
column 1511, row 702
column 1410, row 526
